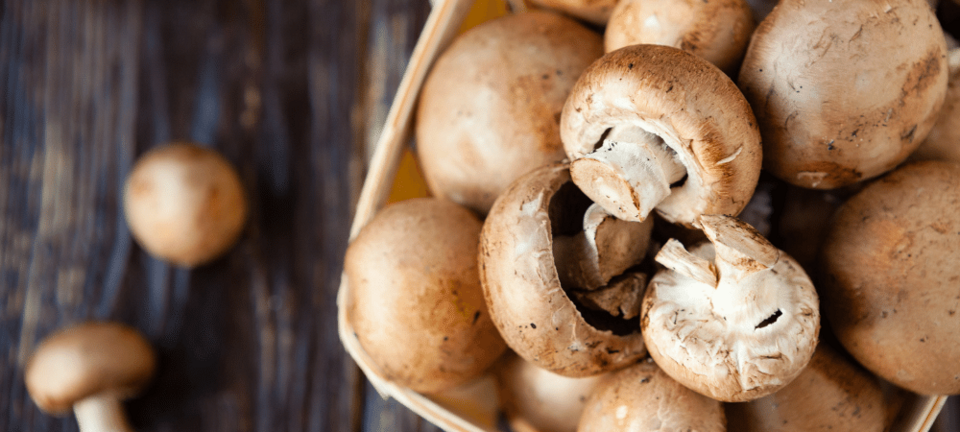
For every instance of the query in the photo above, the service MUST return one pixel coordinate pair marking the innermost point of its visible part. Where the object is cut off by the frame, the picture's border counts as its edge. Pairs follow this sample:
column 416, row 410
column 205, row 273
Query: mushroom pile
column 642, row 271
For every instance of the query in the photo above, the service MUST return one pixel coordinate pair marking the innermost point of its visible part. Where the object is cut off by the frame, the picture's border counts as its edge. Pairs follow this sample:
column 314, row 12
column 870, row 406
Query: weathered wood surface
column 291, row 92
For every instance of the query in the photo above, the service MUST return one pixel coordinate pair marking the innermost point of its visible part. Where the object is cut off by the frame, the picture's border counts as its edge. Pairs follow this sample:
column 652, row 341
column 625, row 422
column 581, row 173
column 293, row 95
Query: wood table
column 294, row 93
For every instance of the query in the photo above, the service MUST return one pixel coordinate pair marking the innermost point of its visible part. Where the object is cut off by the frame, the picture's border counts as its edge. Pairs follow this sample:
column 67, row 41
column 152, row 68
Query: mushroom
column 717, row 31
column 831, row 394
column 650, row 126
column 184, row 204
column 941, row 143
column 535, row 400
column 734, row 320
column 490, row 107
column 642, row 398
column 890, row 277
column 593, row 11
column 527, row 299
column 91, row 368
column 415, row 300
column 844, row 91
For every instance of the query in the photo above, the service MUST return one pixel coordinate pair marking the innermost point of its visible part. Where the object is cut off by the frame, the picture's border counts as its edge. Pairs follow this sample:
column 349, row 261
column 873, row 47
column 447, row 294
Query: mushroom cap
column 536, row 400
column 89, row 359
column 184, row 204
column 522, row 287
column 642, row 398
column 717, row 31
column 415, row 299
column 742, row 337
column 890, row 287
column 489, row 110
column 941, row 143
column 844, row 91
column 831, row 394
column 686, row 101
column 594, row 11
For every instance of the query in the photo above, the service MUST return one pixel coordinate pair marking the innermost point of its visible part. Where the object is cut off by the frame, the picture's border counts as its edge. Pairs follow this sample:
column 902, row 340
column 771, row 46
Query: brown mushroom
column 489, row 110
column 735, row 319
column 593, row 11
column 844, row 91
column 91, row 368
column 890, row 288
column 943, row 142
column 831, row 394
column 650, row 126
column 642, row 398
column 535, row 400
column 717, row 31
column 184, row 204
column 415, row 300
column 527, row 300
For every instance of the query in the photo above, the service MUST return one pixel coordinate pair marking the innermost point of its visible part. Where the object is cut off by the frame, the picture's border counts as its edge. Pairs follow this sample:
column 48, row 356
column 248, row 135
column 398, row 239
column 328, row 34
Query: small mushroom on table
column 735, row 319
column 91, row 368
column 650, row 126
column 642, row 398
column 546, row 315
column 184, row 204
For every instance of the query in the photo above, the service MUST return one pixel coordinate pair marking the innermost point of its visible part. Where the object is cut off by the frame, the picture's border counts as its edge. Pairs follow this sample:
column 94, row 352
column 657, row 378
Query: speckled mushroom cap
column 642, row 398
column 86, row 360
column 831, row 394
column 415, row 300
column 522, row 287
column 535, row 400
column 891, row 287
column 844, row 91
column 734, row 320
column 593, row 11
column 701, row 148
column 489, row 111
column 717, row 31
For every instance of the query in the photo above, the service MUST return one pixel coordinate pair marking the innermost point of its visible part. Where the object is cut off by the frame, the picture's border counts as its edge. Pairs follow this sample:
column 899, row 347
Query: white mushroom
column 735, row 320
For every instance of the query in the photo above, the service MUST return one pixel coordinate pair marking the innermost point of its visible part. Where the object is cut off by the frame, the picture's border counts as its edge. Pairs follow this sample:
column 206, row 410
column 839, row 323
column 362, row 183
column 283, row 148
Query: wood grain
column 284, row 91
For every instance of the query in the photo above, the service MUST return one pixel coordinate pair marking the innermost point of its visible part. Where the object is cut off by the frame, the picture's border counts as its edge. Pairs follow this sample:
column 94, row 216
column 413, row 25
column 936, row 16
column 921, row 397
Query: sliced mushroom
column 91, row 368
column 717, row 31
column 891, row 277
column 651, row 126
column 642, row 398
column 831, row 394
column 415, row 299
column 490, row 107
column 734, row 320
column 522, row 285
column 535, row 400
column 844, row 91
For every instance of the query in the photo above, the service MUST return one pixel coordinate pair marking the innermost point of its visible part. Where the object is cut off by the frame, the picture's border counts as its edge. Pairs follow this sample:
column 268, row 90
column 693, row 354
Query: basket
column 472, row 407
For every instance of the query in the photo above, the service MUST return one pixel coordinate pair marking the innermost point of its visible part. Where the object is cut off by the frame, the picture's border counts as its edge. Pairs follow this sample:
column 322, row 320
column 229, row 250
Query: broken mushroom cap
column 90, row 368
column 184, row 204
column 717, row 31
column 535, row 400
column 593, row 11
column 524, row 293
column 650, row 126
column 490, row 107
column 642, row 398
column 734, row 320
column 415, row 300
column 890, row 277
column 844, row 91
column 831, row 394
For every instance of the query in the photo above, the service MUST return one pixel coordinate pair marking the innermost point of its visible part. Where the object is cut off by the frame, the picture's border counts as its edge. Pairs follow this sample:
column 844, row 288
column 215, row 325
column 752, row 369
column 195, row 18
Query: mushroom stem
column 101, row 413
column 605, row 248
column 629, row 174
column 675, row 257
column 740, row 249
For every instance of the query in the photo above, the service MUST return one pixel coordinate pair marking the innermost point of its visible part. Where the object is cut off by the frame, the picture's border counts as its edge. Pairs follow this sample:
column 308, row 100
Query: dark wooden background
column 293, row 92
